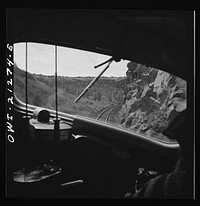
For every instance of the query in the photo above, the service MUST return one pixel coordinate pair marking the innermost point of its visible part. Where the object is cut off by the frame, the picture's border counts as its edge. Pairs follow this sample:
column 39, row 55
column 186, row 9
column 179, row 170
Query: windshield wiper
column 109, row 61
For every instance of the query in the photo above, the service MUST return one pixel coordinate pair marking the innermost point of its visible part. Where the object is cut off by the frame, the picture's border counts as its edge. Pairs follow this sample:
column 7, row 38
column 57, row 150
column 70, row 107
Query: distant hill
column 41, row 92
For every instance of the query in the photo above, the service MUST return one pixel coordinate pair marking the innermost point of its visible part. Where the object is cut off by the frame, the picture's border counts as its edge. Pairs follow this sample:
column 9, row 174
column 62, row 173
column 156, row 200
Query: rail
column 108, row 111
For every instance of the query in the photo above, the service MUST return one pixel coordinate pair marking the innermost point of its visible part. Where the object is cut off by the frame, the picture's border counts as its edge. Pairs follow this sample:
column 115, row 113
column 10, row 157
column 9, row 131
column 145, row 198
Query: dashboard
column 96, row 160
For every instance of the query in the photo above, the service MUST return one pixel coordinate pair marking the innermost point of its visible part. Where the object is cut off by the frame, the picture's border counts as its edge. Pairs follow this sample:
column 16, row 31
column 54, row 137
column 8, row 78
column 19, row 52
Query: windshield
column 127, row 95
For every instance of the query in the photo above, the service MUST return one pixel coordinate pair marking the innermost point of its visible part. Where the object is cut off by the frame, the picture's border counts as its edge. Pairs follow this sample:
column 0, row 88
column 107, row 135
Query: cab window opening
column 128, row 95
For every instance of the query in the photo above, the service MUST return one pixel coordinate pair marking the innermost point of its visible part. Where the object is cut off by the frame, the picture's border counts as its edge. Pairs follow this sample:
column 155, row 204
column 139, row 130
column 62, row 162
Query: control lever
column 143, row 177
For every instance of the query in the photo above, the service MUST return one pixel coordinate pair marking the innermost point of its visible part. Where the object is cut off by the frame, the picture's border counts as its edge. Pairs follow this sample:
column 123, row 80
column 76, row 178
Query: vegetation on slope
column 41, row 92
column 149, row 97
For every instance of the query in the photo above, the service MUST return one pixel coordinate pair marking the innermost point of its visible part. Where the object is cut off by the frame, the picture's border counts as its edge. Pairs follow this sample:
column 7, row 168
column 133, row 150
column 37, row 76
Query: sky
column 70, row 62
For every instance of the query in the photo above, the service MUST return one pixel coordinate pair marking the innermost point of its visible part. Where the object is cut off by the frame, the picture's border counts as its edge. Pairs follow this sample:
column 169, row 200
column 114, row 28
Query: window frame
column 70, row 117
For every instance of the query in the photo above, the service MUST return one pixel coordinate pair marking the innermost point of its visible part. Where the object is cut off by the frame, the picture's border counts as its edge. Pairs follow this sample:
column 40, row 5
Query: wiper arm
column 104, row 62
column 95, row 79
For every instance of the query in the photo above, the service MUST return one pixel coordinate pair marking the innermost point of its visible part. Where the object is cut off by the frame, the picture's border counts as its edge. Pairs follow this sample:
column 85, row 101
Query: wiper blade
column 95, row 79
column 104, row 62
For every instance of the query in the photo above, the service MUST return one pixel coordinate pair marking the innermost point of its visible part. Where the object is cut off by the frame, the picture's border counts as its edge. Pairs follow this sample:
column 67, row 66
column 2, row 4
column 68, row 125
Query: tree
column 97, row 96
column 110, row 97
column 37, row 100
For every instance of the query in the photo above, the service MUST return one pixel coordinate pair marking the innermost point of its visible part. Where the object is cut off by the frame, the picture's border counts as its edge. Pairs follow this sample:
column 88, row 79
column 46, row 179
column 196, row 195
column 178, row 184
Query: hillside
column 41, row 92
column 149, row 97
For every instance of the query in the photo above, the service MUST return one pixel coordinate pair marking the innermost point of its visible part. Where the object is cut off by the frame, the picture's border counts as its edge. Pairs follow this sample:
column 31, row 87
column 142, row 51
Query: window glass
column 128, row 95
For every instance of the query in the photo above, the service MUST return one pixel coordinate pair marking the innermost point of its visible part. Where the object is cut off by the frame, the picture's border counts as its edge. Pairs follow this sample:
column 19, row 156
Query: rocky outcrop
column 150, row 97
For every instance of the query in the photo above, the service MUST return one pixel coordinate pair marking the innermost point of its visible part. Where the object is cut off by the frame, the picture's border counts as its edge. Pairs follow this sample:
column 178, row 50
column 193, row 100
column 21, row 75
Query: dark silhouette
column 178, row 183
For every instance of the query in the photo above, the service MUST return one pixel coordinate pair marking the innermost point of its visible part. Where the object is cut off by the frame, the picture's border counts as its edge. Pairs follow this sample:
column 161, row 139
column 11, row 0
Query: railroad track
column 105, row 114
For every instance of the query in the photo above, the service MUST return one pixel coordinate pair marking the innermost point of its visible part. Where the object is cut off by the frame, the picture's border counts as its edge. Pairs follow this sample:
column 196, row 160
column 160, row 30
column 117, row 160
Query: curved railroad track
column 105, row 114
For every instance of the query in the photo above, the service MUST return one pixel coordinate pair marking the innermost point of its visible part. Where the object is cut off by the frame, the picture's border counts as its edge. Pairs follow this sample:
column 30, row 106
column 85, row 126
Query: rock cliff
column 151, row 95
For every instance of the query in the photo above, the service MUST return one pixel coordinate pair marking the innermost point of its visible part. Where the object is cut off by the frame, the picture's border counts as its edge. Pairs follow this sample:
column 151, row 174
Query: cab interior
column 95, row 159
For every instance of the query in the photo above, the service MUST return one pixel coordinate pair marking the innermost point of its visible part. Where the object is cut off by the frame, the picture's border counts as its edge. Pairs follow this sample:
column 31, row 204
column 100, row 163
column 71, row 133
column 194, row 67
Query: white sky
column 71, row 62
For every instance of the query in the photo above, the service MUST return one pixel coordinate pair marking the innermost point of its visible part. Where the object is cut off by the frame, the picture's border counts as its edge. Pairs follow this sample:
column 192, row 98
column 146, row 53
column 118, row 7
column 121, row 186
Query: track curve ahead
column 105, row 114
